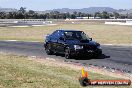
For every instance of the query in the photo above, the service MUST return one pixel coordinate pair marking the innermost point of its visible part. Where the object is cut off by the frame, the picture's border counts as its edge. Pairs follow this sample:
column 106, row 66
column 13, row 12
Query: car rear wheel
column 48, row 50
column 67, row 53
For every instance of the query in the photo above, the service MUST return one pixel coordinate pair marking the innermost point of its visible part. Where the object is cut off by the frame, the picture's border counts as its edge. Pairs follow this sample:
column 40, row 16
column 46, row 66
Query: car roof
column 61, row 30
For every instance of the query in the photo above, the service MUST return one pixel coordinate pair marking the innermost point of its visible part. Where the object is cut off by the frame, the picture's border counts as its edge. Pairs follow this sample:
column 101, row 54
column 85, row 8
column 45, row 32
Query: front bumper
column 84, row 53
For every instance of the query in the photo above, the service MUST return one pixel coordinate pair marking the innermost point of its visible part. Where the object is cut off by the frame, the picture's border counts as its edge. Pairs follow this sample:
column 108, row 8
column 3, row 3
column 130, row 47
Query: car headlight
column 99, row 47
column 78, row 47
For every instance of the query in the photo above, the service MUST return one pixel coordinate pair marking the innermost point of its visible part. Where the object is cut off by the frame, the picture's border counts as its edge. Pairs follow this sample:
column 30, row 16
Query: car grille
column 89, row 47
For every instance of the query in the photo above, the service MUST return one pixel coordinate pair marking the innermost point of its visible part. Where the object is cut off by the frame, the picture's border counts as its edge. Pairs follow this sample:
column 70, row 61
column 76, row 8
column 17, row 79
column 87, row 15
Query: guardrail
column 100, row 19
column 32, row 21
column 119, row 23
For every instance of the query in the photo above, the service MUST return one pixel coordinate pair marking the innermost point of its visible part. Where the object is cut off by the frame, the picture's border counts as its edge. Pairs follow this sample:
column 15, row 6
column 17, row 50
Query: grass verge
column 105, row 34
column 22, row 72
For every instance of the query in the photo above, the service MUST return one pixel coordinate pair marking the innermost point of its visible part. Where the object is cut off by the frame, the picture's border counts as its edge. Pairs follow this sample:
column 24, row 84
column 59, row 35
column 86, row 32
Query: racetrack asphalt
column 114, row 57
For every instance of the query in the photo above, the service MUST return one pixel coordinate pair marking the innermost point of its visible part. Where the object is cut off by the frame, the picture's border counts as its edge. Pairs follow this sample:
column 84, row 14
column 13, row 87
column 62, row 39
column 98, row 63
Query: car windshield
column 76, row 35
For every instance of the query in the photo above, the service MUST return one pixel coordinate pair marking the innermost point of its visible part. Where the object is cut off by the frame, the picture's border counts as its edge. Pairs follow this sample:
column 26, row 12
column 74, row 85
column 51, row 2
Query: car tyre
column 48, row 50
column 67, row 53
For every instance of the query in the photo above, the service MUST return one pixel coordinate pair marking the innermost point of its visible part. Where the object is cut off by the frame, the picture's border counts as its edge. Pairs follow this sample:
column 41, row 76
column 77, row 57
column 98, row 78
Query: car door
column 53, row 43
column 61, row 43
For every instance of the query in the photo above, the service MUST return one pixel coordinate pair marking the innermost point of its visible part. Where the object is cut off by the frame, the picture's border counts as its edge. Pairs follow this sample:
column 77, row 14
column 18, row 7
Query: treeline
column 23, row 14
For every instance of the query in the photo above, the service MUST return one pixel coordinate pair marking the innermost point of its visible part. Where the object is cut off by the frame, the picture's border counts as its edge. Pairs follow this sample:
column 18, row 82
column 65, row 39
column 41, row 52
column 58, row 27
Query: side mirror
column 90, row 39
column 61, row 38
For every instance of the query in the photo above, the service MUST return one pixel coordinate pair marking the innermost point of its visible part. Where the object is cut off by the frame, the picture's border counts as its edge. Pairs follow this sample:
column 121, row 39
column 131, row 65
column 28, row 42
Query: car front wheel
column 48, row 50
column 67, row 53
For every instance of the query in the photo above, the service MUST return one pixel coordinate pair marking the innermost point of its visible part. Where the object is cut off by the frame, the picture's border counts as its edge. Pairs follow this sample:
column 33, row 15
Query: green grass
column 105, row 34
column 21, row 72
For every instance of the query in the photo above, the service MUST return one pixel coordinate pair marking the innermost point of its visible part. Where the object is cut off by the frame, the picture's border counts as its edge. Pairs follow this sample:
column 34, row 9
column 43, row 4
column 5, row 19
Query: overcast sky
column 75, row 4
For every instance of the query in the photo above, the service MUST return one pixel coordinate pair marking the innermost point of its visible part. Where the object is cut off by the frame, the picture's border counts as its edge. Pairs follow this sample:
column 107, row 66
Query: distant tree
column 104, row 15
column 53, row 14
column 116, row 15
column 111, row 15
column 130, row 16
column 79, row 14
column 47, row 15
column 8, row 16
column 73, row 16
column 75, row 13
column 2, row 15
column 64, row 16
column 30, row 14
column 97, row 14
column 122, row 16
column 22, row 10
column 67, row 15
column 21, row 14
column 14, row 14
column 83, row 15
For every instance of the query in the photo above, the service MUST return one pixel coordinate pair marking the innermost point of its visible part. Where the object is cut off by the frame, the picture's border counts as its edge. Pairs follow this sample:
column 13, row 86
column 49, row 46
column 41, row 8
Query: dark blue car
column 71, row 43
